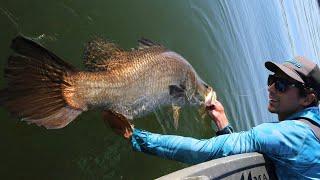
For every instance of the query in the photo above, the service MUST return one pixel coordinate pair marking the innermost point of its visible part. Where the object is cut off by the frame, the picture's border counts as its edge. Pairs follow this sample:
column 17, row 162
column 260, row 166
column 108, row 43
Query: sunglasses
column 282, row 85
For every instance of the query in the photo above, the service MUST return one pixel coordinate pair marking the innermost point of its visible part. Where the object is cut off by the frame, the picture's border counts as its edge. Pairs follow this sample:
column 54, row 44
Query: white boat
column 247, row 166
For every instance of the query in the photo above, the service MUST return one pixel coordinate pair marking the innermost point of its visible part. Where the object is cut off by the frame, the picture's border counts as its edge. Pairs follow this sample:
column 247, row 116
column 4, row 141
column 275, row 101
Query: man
column 292, row 143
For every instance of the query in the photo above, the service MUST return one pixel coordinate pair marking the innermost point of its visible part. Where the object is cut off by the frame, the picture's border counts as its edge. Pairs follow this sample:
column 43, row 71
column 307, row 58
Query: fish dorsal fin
column 101, row 55
column 144, row 43
column 146, row 49
column 98, row 52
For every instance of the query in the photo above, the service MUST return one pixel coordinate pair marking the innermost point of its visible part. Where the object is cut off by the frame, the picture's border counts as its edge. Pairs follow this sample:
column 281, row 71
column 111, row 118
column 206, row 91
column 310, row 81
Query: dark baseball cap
column 300, row 69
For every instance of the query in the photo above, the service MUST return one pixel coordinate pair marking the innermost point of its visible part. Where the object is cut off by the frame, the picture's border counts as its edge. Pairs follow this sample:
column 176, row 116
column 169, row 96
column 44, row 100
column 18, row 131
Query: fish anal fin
column 118, row 122
column 176, row 115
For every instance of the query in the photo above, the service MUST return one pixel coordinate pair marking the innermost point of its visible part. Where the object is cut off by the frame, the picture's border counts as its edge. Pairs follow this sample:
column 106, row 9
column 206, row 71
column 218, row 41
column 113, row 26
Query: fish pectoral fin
column 176, row 115
column 202, row 112
column 118, row 122
column 176, row 91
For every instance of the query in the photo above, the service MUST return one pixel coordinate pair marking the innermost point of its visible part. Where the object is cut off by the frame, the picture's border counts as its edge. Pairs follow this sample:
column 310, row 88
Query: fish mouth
column 204, row 95
column 210, row 97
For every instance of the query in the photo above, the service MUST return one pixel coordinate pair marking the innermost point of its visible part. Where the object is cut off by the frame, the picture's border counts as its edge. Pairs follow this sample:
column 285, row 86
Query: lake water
column 227, row 42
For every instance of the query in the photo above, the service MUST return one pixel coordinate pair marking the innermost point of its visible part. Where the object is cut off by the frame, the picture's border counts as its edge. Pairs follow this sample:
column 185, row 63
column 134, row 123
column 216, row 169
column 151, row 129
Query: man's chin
column 271, row 109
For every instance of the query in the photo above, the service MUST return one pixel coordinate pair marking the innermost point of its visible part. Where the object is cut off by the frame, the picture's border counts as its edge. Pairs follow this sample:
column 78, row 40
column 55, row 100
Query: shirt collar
column 312, row 113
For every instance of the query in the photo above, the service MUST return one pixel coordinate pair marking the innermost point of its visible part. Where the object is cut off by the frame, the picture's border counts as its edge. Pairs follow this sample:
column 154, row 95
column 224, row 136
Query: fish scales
column 126, row 94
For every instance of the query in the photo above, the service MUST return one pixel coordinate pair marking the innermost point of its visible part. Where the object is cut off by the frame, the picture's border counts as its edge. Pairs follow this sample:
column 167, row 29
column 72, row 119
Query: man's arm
column 277, row 140
column 190, row 150
column 263, row 138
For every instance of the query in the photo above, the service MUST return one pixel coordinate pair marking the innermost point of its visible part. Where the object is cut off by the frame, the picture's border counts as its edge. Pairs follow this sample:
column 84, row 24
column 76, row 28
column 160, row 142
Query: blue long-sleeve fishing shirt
column 290, row 144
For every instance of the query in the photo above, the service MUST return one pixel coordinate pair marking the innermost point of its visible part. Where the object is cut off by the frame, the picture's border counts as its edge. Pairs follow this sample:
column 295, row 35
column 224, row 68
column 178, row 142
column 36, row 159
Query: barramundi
column 45, row 90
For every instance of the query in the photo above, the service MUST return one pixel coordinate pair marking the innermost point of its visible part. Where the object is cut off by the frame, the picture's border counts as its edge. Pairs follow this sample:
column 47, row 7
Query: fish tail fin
column 36, row 81
column 3, row 96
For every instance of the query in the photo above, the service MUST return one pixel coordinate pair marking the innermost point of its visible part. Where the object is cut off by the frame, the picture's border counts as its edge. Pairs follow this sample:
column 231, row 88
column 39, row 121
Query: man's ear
column 310, row 98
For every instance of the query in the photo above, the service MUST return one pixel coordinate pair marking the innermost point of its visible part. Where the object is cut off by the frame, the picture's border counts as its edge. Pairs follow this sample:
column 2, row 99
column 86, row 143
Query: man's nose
column 272, row 88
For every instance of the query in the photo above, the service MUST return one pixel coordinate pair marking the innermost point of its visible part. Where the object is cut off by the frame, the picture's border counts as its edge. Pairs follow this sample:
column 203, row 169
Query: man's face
column 284, row 103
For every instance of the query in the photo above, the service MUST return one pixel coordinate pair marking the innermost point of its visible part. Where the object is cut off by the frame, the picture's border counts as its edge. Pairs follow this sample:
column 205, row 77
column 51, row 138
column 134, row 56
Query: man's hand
column 216, row 112
column 118, row 123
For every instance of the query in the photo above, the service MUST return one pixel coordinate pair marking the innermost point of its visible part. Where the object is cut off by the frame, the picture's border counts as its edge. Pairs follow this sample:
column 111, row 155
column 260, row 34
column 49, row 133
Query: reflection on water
column 243, row 36
column 227, row 42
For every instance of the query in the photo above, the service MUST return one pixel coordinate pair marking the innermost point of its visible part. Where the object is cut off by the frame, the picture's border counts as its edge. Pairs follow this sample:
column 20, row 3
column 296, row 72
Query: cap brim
column 275, row 67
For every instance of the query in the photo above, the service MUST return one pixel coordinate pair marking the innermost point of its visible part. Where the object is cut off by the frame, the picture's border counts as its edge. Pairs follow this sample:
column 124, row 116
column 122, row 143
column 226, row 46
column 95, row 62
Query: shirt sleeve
column 226, row 130
column 191, row 150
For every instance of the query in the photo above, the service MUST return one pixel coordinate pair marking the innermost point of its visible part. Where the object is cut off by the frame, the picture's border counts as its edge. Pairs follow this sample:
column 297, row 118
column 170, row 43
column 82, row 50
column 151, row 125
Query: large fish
column 45, row 90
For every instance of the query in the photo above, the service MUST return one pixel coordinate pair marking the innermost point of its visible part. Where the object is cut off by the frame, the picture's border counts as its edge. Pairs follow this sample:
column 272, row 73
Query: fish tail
column 36, row 79
column 3, row 96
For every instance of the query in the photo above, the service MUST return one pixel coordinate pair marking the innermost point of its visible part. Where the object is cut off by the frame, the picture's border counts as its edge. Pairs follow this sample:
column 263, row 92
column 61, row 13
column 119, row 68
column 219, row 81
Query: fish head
column 204, row 94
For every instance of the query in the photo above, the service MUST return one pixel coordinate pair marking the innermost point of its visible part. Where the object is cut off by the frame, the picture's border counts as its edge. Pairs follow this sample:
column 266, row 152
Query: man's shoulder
column 283, row 126
column 289, row 135
column 280, row 123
